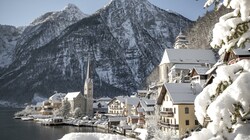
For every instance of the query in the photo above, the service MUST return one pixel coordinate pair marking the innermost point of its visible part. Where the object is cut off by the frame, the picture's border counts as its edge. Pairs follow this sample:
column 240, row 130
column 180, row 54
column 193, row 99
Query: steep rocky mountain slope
column 200, row 35
column 8, row 39
column 125, row 41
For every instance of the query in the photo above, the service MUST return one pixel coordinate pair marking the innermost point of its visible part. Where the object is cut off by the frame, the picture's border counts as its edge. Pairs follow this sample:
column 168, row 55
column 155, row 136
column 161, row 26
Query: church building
column 88, row 91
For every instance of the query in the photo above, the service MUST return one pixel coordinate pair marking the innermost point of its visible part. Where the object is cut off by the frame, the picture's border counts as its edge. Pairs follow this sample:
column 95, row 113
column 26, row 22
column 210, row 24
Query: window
column 196, row 122
column 187, row 122
column 186, row 110
column 174, row 110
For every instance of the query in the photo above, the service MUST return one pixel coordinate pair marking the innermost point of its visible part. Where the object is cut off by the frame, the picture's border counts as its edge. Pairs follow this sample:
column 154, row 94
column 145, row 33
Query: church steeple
column 181, row 41
column 88, row 89
column 88, row 69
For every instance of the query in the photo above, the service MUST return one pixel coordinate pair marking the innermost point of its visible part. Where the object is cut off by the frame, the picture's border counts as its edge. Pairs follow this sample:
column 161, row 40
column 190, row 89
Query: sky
column 23, row 12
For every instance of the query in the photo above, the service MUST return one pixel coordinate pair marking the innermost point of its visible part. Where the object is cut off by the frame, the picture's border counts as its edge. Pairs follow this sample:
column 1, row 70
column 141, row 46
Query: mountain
column 125, row 41
column 200, row 35
column 8, row 39
column 46, row 28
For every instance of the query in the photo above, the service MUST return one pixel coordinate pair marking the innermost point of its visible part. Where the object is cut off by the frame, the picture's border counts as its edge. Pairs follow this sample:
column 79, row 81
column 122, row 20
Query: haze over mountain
column 125, row 41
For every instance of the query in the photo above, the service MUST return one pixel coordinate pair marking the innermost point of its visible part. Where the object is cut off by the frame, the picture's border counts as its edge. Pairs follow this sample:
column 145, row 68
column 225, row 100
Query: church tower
column 88, row 91
column 181, row 41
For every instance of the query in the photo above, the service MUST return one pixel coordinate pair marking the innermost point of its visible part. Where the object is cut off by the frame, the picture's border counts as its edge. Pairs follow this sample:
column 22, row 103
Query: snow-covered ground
column 93, row 136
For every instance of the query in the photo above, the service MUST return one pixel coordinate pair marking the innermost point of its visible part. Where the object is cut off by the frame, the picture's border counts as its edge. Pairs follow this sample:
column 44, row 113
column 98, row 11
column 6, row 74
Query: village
column 166, row 104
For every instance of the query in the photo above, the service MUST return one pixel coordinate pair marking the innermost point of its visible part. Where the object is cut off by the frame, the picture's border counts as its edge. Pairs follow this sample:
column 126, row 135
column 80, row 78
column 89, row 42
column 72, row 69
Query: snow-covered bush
column 232, row 30
column 223, row 107
column 77, row 113
column 64, row 110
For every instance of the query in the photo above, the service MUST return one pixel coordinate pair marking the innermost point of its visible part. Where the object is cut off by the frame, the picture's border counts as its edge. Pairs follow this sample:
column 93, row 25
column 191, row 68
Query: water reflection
column 12, row 129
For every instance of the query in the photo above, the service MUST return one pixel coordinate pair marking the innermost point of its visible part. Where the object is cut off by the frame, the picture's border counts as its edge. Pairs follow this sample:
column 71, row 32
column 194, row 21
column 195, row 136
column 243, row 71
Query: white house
column 176, row 108
column 184, row 60
column 76, row 100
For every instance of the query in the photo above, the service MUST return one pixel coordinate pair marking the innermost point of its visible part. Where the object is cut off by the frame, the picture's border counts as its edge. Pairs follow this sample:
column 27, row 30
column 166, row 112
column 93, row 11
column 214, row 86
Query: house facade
column 176, row 108
column 117, row 105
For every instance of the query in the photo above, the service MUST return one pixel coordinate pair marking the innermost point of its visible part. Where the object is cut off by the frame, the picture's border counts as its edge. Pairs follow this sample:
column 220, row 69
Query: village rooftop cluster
column 167, row 103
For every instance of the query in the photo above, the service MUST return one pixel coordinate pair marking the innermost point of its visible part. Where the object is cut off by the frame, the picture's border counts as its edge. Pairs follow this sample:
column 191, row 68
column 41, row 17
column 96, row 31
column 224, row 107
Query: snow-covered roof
column 201, row 70
column 57, row 97
column 72, row 95
column 117, row 119
column 132, row 100
column 242, row 51
column 149, row 101
column 129, row 100
column 194, row 56
column 104, row 99
column 184, row 66
column 147, row 104
column 182, row 93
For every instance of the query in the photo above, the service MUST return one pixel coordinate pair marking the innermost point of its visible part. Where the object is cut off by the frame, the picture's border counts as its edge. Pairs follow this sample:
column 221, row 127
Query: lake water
column 12, row 129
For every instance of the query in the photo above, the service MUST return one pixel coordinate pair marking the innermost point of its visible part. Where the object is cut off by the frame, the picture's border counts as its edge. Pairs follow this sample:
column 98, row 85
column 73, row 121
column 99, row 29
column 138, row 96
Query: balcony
column 167, row 113
column 169, row 126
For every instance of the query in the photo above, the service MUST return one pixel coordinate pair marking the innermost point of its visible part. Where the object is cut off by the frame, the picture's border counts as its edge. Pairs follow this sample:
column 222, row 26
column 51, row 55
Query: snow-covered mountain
column 45, row 28
column 125, row 40
column 8, row 39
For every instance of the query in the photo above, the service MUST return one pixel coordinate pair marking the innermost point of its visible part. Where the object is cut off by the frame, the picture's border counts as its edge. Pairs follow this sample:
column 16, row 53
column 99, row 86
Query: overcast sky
column 23, row 12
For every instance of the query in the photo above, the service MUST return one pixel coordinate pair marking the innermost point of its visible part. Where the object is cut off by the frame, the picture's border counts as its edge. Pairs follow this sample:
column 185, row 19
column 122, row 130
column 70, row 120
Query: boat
column 27, row 118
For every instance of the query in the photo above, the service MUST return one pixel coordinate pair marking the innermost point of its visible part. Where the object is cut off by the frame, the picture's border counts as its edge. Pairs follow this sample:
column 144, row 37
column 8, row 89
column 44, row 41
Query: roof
column 194, row 56
column 132, row 100
column 201, row 70
column 72, row 95
column 104, row 99
column 129, row 100
column 242, row 51
column 182, row 93
column 147, row 104
column 185, row 66
column 57, row 97
column 117, row 118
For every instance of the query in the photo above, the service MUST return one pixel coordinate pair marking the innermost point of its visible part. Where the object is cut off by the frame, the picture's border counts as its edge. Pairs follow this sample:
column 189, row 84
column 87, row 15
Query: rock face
column 8, row 39
column 125, row 41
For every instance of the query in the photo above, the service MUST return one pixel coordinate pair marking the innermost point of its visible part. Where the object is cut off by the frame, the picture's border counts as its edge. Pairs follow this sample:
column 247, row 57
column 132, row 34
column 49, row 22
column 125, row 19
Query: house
column 140, row 93
column 47, row 108
column 56, row 100
column 131, row 106
column 199, row 75
column 236, row 54
column 145, row 108
column 76, row 100
column 117, row 105
column 179, row 59
column 100, row 105
column 176, row 108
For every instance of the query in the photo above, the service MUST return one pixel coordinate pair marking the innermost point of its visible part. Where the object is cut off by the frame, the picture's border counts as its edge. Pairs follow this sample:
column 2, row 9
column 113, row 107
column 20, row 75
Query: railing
column 167, row 113
column 167, row 125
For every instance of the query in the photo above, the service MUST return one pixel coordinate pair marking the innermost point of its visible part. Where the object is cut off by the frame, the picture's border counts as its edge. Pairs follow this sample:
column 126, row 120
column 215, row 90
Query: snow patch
column 93, row 136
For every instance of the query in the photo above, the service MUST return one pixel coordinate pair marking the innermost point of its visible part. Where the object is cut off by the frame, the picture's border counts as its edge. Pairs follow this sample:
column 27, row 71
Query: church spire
column 88, row 68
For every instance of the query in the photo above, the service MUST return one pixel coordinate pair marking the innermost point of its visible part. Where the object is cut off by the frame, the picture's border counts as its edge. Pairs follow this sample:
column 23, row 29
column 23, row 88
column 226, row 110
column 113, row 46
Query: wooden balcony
column 168, row 125
column 167, row 113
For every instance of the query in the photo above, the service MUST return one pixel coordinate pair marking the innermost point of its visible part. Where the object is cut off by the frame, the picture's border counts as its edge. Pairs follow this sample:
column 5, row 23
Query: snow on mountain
column 125, row 40
column 47, row 27
column 8, row 39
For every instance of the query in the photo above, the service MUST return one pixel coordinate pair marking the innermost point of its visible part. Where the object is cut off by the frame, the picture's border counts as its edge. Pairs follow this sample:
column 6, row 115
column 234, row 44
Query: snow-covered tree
column 77, row 113
column 232, row 30
column 225, row 104
column 64, row 110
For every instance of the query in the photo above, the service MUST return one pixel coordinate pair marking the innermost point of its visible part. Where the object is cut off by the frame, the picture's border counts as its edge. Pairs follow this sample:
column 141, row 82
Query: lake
column 12, row 129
